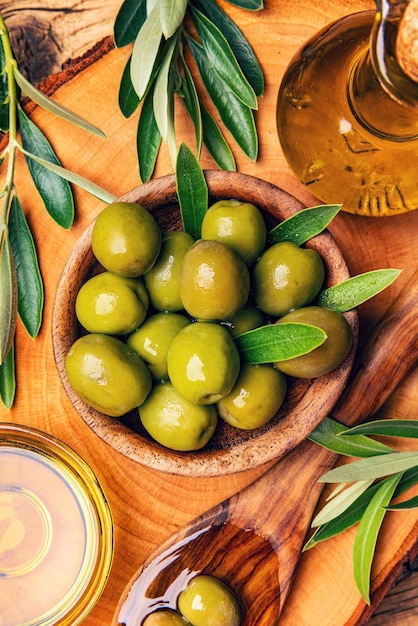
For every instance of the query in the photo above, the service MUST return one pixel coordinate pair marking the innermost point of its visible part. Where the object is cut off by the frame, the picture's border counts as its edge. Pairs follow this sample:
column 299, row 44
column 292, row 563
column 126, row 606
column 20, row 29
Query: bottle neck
column 382, row 96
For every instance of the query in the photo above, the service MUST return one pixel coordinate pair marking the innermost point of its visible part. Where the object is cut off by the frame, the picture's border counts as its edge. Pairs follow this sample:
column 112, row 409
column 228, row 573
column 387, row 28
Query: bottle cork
column 407, row 41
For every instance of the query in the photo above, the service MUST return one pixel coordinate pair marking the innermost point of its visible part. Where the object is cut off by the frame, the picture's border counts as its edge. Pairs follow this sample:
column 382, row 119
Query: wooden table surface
column 147, row 506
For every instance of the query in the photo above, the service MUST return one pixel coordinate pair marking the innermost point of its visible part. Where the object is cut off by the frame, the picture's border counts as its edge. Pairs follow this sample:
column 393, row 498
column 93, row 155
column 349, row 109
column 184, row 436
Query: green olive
column 256, row 397
column 112, row 304
column 203, row 362
column 207, row 601
column 162, row 280
column 214, row 281
column 248, row 318
column 164, row 617
column 176, row 423
column 126, row 239
column 327, row 356
column 238, row 224
column 107, row 374
column 287, row 277
column 153, row 339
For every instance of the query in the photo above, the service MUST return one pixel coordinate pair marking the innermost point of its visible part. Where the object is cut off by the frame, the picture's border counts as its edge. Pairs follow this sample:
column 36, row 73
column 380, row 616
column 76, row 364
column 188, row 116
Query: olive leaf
column 163, row 95
column 340, row 502
column 192, row 191
column 190, row 97
column 236, row 116
column 372, row 467
column 329, row 434
column 8, row 295
column 367, row 534
column 239, row 44
column 412, row 503
column 145, row 52
column 171, row 15
column 44, row 101
column 222, row 59
column 386, row 427
column 278, row 342
column 129, row 19
column 72, row 177
column 8, row 379
column 30, row 287
column 251, row 5
column 148, row 137
column 215, row 142
column 354, row 291
column 54, row 190
column 304, row 225
column 127, row 97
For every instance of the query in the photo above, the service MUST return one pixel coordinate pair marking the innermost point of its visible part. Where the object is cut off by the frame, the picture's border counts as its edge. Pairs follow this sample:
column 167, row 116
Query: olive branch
column 21, row 284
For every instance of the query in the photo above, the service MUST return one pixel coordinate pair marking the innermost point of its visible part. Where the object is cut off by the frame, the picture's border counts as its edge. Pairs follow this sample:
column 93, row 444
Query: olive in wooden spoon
column 253, row 540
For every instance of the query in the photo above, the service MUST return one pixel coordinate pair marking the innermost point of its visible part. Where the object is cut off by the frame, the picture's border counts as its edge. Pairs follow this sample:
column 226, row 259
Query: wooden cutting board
column 148, row 506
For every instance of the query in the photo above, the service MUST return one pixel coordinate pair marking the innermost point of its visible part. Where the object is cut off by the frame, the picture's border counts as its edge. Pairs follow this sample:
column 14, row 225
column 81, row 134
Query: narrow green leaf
column 8, row 295
column 4, row 83
column 354, row 291
column 223, row 60
column 368, row 532
column 72, row 177
column 171, row 15
column 386, row 427
column 412, row 503
column 340, row 502
column 191, row 102
column 128, row 98
column 29, row 281
column 354, row 513
column 251, row 5
column 372, row 467
column 278, row 342
column 236, row 117
column 304, row 225
column 192, row 191
column 240, row 46
column 53, row 107
column 129, row 19
column 148, row 138
column 55, row 192
column 215, row 142
column 145, row 53
column 8, row 379
column 162, row 95
column 327, row 434
column 4, row 117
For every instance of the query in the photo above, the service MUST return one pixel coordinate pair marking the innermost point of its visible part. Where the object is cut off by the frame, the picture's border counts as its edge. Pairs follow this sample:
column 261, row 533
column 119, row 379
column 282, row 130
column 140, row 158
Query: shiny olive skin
column 107, row 374
column 255, row 398
column 112, row 304
column 162, row 280
column 175, row 422
column 214, row 281
column 203, row 362
column 153, row 339
column 126, row 239
column 207, row 601
column 287, row 277
column 248, row 318
column 327, row 356
column 238, row 224
column 164, row 617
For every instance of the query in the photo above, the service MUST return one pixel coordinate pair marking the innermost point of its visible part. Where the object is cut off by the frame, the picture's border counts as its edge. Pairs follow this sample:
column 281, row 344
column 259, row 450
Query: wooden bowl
column 230, row 450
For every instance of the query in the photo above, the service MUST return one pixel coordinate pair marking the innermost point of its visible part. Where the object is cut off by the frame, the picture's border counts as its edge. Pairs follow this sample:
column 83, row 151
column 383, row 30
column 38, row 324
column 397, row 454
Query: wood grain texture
column 148, row 506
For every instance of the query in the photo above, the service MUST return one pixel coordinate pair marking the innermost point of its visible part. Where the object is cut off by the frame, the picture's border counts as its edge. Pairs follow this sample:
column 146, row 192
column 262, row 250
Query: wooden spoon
column 253, row 540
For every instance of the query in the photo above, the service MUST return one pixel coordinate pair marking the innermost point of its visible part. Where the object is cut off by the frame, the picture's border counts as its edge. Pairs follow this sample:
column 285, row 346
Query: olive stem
column 12, row 145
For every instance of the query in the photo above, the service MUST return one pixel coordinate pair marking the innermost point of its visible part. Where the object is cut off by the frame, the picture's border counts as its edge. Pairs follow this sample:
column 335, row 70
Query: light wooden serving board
column 148, row 506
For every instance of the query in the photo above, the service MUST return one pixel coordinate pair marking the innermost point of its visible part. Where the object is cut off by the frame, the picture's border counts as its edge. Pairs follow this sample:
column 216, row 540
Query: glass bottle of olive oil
column 347, row 113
